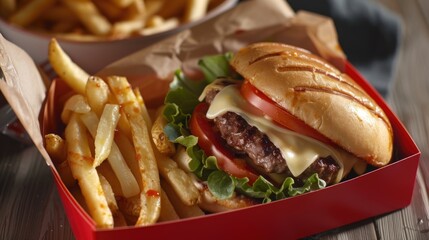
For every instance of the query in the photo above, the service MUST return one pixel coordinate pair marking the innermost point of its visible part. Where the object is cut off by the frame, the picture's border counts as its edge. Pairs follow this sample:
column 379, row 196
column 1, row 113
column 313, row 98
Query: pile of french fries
column 90, row 20
column 113, row 155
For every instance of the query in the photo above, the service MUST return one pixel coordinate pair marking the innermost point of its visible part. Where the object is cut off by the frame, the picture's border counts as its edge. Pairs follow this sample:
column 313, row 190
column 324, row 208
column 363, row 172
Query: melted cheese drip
column 298, row 150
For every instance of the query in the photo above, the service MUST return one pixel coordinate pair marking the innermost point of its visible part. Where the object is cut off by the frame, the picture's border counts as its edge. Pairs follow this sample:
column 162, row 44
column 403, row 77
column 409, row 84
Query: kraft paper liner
column 23, row 89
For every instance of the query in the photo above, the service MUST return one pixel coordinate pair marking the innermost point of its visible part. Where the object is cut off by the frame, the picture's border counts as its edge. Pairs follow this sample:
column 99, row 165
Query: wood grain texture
column 31, row 209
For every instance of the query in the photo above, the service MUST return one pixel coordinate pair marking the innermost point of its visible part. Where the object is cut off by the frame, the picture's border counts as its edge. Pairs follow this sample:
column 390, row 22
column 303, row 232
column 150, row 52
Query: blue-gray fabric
column 369, row 34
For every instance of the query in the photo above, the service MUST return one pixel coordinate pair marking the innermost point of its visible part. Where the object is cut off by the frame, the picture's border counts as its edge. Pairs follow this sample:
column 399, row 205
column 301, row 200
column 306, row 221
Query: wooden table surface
column 30, row 207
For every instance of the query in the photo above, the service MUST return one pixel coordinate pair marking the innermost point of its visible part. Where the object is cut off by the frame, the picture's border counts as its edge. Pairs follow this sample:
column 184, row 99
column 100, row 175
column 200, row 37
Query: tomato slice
column 213, row 145
column 279, row 115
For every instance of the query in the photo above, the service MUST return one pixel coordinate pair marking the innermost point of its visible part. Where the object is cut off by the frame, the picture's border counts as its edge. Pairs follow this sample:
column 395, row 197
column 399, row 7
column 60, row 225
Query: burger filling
column 287, row 163
column 248, row 140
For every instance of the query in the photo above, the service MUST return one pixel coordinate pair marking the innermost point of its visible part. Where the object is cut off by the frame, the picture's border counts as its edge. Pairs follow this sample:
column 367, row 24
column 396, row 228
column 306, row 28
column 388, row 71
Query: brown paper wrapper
column 151, row 68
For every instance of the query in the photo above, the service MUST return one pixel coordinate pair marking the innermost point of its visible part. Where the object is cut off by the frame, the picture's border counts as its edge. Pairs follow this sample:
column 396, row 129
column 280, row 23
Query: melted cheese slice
column 298, row 150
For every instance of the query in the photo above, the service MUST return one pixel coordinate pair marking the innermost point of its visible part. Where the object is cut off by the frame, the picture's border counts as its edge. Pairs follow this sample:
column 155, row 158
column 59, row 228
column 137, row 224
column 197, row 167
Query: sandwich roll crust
column 317, row 93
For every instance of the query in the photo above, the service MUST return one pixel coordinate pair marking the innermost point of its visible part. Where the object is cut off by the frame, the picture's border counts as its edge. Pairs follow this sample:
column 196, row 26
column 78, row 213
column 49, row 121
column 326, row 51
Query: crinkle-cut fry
column 66, row 69
column 118, row 217
column 89, row 16
column 30, row 12
column 56, row 147
column 168, row 212
column 80, row 162
column 125, row 177
column 183, row 210
column 151, row 189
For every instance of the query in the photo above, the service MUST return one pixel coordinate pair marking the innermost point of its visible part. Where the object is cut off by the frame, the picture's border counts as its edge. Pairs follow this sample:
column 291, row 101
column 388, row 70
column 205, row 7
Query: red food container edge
column 377, row 192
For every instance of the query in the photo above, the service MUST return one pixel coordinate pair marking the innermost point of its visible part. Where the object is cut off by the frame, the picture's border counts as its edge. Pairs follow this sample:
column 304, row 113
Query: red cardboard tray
column 376, row 192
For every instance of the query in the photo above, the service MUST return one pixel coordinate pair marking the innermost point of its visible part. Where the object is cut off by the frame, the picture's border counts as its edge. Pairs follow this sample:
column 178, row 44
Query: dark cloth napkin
column 369, row 34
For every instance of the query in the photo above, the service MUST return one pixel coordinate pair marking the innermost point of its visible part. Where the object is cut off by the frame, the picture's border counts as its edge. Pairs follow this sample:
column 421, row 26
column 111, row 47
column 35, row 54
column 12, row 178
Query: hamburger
column 273, row 121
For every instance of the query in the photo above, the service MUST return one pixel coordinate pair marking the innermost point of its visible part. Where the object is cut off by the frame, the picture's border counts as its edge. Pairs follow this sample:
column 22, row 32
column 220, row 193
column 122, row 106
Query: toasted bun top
column 320, row 95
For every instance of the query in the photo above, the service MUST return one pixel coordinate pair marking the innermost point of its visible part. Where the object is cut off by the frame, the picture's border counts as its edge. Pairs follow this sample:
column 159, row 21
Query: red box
column 373, row 193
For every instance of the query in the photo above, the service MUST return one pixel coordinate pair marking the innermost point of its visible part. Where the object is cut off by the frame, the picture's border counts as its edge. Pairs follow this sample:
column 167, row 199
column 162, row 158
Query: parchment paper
column 151, row 68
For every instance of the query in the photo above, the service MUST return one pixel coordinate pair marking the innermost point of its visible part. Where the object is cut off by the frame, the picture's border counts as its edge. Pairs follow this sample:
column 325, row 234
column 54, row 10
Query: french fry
column 97, row 95
column 152, row 7
column 63, row 26
column 105, row 132
column 183, row 210
column 131, row 208
column 126, row 179
column 67, row 70
column 127, row 149
column 154, row 21
column 66, row 175
column 195, row 9
column 56, row 148
column 110, row 10
column 76, row 103
column 172, row 8
column 89, row 16
column 145, row 112
column 80, row 162
column 122, row 3
column 119, row 220
column 168, row 212
column 136, row 10
column 59, row 13
column 168, row 168
column 95, row 20
column 178, row 179
column 164, row 26
column 151, row 189
column 182, row 158
column 106, row 170
column 30, row 12
column 159, row 138
column 127, row 27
